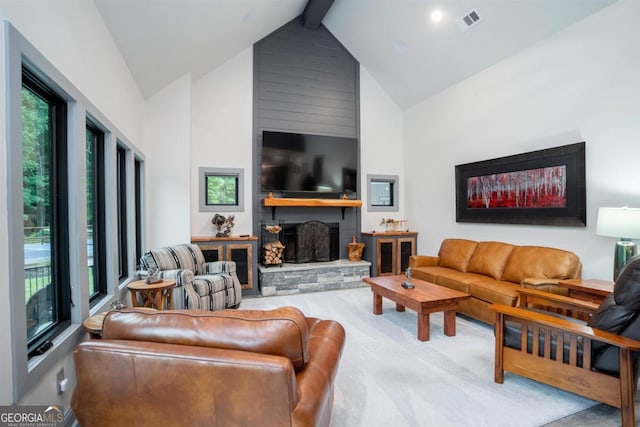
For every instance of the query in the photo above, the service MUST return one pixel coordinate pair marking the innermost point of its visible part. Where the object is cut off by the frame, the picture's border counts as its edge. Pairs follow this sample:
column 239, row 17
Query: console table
column 241, row 250
column 389, row 251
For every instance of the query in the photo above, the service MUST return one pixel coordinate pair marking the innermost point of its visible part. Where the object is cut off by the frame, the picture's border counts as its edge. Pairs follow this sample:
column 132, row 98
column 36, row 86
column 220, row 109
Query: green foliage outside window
column 35, row 160
column 222, row 190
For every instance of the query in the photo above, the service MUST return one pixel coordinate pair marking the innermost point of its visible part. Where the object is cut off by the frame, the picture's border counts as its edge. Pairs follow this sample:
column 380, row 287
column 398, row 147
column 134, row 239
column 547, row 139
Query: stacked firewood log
column 273, row 252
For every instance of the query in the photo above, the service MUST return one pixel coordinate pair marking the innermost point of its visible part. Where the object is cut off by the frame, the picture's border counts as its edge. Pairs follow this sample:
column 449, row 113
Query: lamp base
column 625, row 249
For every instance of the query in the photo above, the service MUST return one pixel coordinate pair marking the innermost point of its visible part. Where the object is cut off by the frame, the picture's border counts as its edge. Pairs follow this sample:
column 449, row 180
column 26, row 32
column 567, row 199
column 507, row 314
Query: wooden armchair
column 597, row 359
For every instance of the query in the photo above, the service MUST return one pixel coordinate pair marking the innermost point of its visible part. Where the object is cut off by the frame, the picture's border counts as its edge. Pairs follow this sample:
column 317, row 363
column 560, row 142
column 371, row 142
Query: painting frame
column 573, row 213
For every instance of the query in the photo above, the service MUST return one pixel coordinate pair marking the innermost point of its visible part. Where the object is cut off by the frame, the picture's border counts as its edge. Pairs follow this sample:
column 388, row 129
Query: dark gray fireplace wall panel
column 306, row 82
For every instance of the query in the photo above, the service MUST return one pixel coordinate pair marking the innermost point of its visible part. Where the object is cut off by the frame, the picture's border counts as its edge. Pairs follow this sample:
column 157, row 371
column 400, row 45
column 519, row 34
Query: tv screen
column 301, row 164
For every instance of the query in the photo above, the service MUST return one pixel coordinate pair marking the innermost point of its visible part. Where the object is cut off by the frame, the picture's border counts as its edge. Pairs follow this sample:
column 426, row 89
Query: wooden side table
column 155, row 295
column 93, row 324
column 593, row 290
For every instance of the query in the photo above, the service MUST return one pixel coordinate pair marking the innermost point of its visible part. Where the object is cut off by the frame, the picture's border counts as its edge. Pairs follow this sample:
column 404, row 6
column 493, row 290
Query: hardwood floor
column 597, row 416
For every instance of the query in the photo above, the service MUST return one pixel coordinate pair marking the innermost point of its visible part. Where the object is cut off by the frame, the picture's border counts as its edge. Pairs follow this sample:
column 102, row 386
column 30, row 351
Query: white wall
column 581, row 85
column 382, row 148
column 73, row 37
column 221, row 135
column 167, row 133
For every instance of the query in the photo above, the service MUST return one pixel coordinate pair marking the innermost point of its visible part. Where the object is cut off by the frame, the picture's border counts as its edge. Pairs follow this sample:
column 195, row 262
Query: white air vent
column 469, row 20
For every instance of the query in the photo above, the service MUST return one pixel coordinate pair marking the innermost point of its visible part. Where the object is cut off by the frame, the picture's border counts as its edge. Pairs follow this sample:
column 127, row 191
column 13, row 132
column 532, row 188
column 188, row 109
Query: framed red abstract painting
column 544, row 187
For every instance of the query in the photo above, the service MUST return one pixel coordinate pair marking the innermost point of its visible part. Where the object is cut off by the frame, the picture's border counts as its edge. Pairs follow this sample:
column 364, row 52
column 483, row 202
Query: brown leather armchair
column 193, row 367
column 597, row 360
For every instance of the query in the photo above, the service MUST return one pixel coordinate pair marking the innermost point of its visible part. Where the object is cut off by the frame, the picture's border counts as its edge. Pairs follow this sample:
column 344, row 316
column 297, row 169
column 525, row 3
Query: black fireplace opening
column 311, row 241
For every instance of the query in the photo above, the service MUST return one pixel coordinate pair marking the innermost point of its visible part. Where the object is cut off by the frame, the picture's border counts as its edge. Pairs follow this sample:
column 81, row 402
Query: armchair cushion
column 513, row 338
column 280, row 332
column 188, row 257
column 619, row 314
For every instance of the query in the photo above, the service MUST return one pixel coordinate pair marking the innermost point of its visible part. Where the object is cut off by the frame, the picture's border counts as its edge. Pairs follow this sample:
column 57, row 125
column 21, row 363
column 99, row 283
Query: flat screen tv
column 303, row 165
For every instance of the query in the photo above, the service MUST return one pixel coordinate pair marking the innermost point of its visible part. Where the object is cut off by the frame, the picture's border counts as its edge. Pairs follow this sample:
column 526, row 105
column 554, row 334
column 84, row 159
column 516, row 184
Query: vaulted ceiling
column 411, row 56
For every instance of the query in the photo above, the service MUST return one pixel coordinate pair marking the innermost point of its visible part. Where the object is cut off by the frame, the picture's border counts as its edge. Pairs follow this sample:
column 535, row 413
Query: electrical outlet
column 61, row 381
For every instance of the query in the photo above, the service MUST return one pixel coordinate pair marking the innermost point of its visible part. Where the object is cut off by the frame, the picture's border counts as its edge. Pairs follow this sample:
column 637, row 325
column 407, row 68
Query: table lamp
column 623, row 223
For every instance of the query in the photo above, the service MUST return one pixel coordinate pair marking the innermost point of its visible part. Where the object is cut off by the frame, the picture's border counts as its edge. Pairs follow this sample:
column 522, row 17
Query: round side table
column 93, row 324
column 155, row 295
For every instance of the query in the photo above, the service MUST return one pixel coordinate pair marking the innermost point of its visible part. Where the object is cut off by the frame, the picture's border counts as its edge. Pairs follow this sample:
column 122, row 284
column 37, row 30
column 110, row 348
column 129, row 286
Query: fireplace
column 311, row 241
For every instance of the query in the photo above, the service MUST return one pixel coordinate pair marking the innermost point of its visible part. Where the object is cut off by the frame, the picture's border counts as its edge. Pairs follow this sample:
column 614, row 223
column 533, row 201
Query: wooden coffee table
column 425, row 298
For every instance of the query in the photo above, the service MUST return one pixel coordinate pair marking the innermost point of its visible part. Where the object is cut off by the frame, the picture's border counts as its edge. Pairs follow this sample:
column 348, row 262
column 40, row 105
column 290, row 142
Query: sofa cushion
column 537, row 261
column 456, row 253
column 495, row 291
column 490, row 258
column 428, row 274
column 456, row 280
column 280, row 332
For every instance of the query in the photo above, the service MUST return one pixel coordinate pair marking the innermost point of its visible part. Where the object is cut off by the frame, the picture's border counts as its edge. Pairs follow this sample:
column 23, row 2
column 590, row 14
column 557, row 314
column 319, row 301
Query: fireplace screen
column 313, row 239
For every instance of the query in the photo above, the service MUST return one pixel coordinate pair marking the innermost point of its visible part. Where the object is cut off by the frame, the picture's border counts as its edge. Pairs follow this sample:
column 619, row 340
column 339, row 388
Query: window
column 45, row 213
column 96, row 241
column 221, row 190
column 382, row 193
column 139, row 212
column 49, row 230
column 121, row 185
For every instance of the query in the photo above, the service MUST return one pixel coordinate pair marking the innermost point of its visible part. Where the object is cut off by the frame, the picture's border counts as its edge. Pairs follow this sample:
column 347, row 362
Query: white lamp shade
column 619, row 222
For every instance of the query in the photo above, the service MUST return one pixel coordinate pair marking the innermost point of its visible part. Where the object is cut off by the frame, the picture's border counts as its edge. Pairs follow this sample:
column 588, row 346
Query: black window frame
column 137, row 188
column 59, row 230
column 99, row 213
column 233, row 178
column 121, row 185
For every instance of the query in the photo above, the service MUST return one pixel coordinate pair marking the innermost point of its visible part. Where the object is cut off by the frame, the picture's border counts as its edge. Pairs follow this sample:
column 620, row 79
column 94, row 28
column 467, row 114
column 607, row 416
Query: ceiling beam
column 314, row 12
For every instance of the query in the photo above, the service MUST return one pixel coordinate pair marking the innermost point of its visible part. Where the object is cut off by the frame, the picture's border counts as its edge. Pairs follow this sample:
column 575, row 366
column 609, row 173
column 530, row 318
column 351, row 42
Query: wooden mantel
column 336, row 203
column 343, row 203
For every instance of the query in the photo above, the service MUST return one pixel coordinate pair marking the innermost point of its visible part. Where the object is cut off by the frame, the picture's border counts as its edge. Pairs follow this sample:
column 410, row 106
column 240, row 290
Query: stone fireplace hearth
column 312, row 277
column 311, row 260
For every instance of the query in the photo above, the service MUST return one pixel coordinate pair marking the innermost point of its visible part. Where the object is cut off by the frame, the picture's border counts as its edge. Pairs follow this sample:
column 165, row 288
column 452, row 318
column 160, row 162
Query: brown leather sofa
column 196, row 368
column 492, row 272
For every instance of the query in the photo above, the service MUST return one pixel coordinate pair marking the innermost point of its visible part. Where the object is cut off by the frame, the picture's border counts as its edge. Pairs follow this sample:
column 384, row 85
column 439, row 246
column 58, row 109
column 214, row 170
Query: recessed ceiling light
column 437, row 15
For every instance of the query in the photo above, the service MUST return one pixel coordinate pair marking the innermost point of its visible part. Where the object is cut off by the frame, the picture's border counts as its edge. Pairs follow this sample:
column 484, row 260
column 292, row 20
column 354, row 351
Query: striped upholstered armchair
column 199, row 284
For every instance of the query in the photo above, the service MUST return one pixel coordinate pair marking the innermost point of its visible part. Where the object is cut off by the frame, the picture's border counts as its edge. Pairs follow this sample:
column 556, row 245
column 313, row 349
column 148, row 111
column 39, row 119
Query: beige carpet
column 389, row 378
